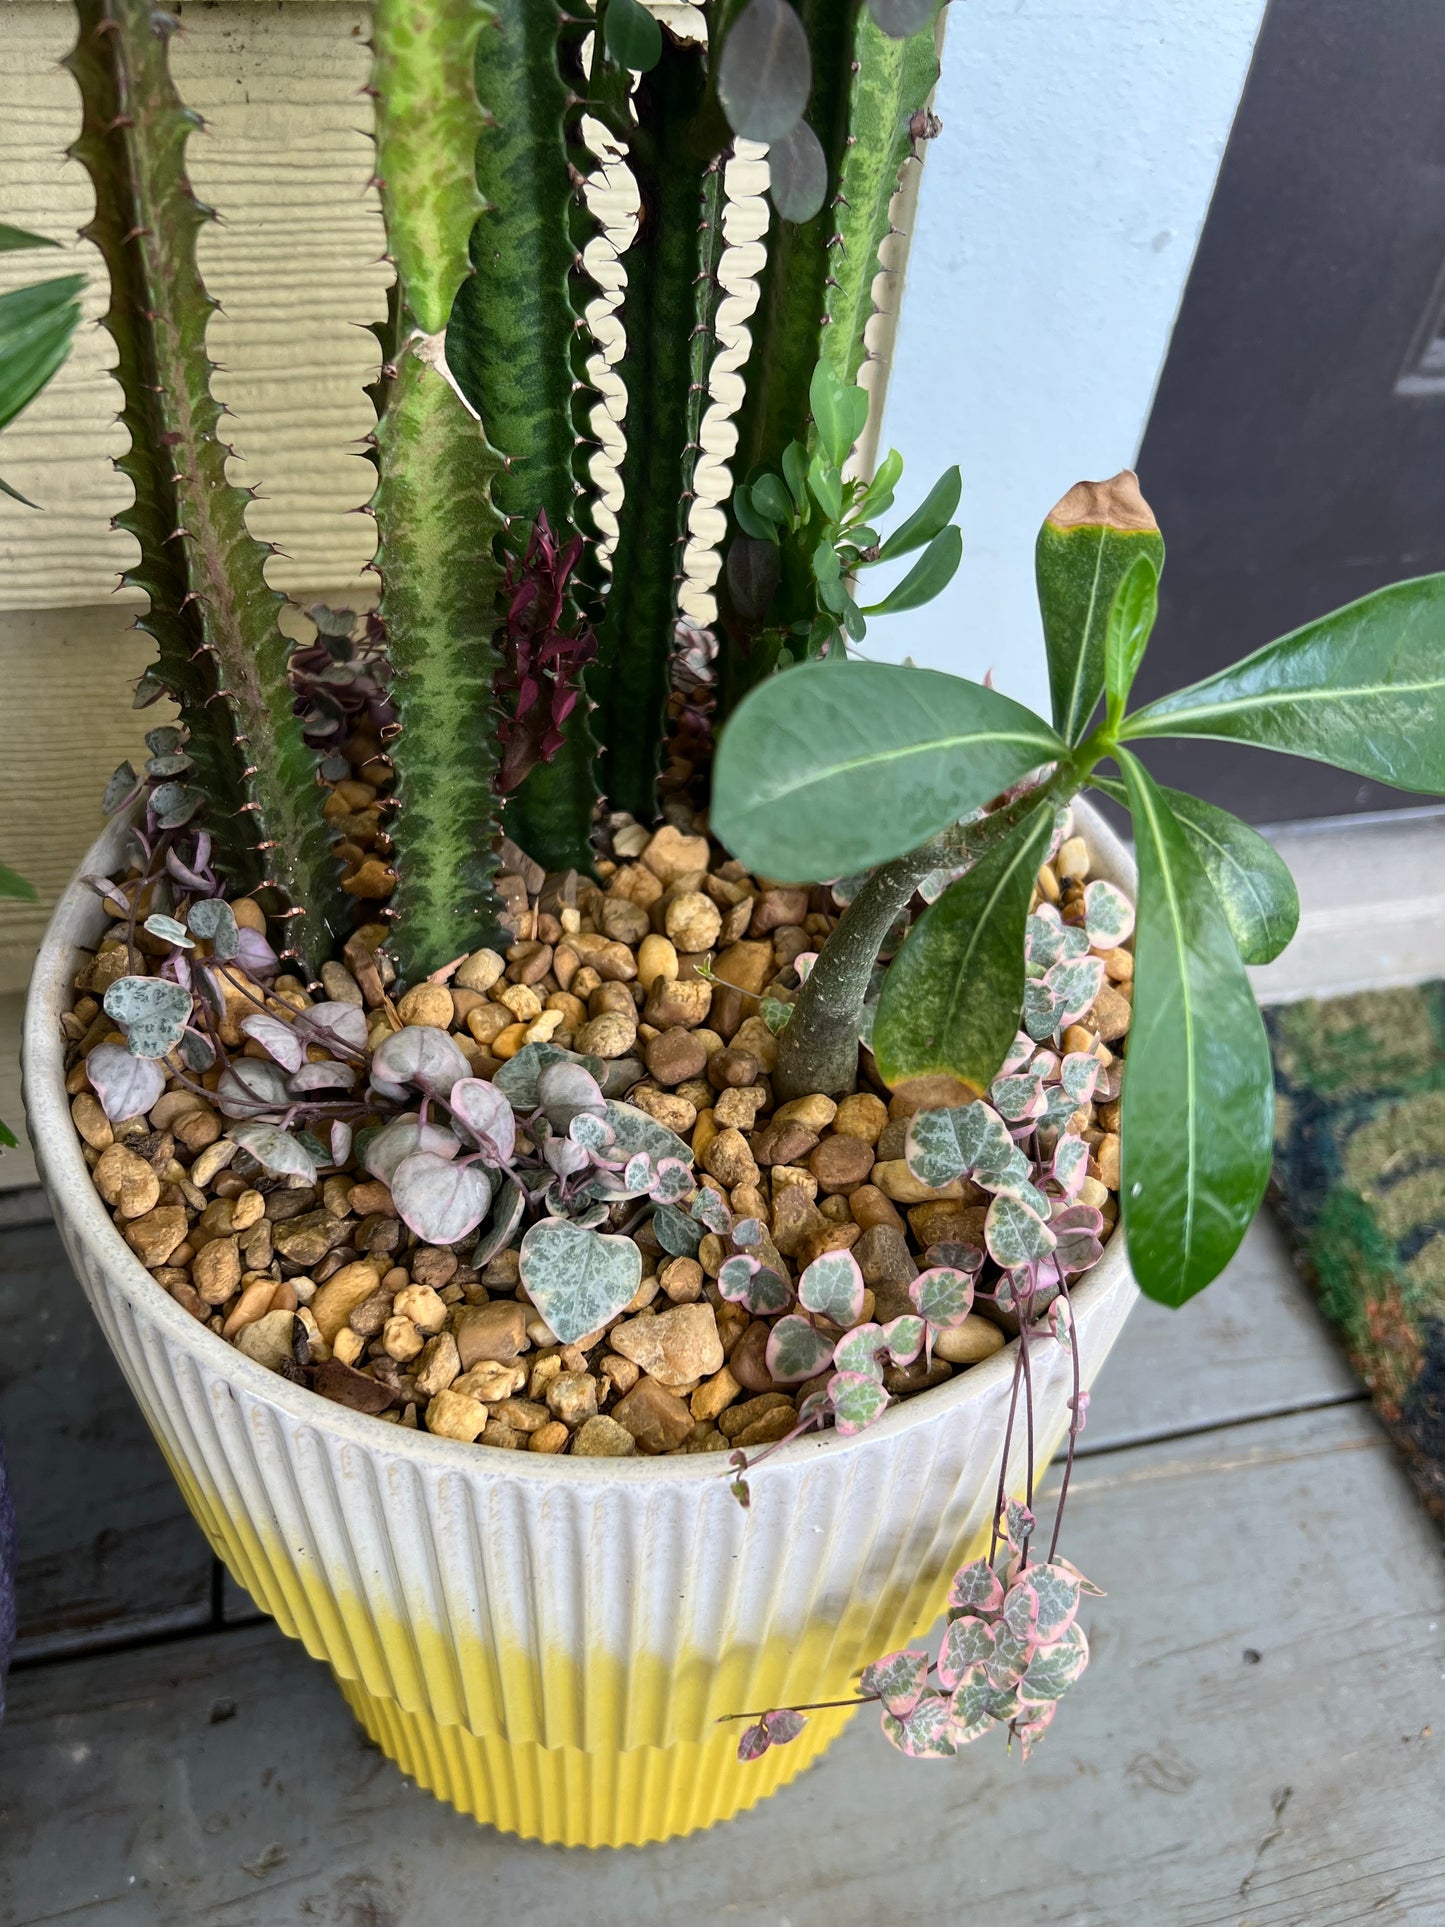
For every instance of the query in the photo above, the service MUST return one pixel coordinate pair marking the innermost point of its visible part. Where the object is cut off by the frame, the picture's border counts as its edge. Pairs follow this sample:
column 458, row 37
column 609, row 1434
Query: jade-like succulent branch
column 515, row 341
column 438, row 527
column 668, row 315
column 222, row 656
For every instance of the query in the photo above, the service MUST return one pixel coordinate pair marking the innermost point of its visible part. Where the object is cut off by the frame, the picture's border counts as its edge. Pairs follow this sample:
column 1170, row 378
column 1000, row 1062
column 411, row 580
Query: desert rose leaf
column 765, row 73
column 1086, row 547
column 1362, row 688
column 441, row 1201
column 859, row 1399
column 1015, row 1234
column 976, row 1587
column 634, row 38
column 796, row 1350
column 1198, row 1102
column 1054, row 1668
column 578, row 1279
column 1132, row 615
column 943, row 1296
column 926, row 1733
column 953, row 996
column 678, row 1232
column 125, row 1085
column 151, row 1011
column 832, row 1287
column 482, row 1110
column 1251, row 879
column 401, row 1139
column 275, row 1150
column 837, row 767
column 898, row 1679
column 280, row 1039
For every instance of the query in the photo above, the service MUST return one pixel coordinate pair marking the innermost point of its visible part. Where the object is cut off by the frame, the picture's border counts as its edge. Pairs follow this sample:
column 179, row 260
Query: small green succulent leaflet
column 888, row 769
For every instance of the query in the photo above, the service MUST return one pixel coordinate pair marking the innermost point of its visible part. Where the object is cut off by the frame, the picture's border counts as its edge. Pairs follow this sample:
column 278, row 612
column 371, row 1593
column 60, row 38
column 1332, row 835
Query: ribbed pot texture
column 548, row 1643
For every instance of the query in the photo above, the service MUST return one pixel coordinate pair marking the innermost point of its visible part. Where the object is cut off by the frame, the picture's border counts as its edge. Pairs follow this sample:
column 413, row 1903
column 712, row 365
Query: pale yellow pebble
column 656, row 958
column 429, row 1005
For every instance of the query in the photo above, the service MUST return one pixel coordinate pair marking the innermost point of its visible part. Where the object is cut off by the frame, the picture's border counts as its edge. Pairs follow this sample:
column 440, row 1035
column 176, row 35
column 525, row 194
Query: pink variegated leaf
column 784, row 1725
column 1030, row 1731
column 904, row 1337
column 1108, row 915
column 1074, row 984
column 1044, row 936
column 796, row 1350
column 1061, row 1321
column 976, row 1588
column 970, row 1708
column 967, row 1643
column 1079, row 1074
column 1053, row 1669
column 943, row 1295
column 1010, row 1657
column 898, row 1679
column 859, row 1400
column 927, row 1732
column 1015, row 1231
column 673, row 1180
column 859, row 1351
column 1021, row 1608
column 1086, row 1586
column 1057, row 1591
column 1018, row 1524
column 278, row 1039
column 1019, row 1052
column 832, row 1287
column 1018, row 1099
column 736, row 1275
column 754, row 1743
column 1071, row 1164
column 747, row 1232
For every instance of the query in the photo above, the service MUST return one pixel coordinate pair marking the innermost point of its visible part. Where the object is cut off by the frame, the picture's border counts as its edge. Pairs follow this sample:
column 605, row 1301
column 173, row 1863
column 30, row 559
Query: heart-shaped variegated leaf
column 327, row 1076
column 506, row 1215
column 1054, row 1668
column 402, row 1138
column 859, row 1400
column 898, row 1679
column 1108, row 915
column 976, row 1588
column 518, row 1079
column 860, row 1351
column 440, row 1200
column 926, row 1733
column 250, row 1087
column 633, row 1131
column 967, row 1642
column 481, row 1109
column 420, row 1056
column 275, row 1150
column 832, row 1287
column 169, row 931
column 152, row 1012
column 678, row 1232
column 126, row 1086
column 280, row 1039
column 971, row 1706
column 797, row 1350
column 1074, row 983
column 1015, row 1234
column 214, row 921
column 564, row 1089
column 331, row 1024
column 1057, row 1591
column 578, row 1279
column 942, row 1295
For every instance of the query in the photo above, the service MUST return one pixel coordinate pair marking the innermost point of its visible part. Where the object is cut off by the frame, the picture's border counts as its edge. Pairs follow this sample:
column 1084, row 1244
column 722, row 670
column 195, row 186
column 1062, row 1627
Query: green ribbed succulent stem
column 667, row 315
column 512, row 344
column 221, row 653
column 891, row 81
column 438, row 527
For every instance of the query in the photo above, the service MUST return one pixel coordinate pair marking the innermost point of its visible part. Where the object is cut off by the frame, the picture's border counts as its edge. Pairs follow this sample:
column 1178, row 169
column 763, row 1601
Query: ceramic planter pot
column 547, row 1643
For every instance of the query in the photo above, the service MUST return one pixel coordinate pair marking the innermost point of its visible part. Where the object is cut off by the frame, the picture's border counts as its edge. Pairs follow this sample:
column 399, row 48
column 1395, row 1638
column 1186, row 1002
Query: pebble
column 157, row 1236
column 862, row 1116
column 495, row 1331
column 841, row 1163
column 572, row 1397
column 671, row 855
column 438, row 1365
column 453, row 1415
column 341, row 1294
column 693, row 922
column 674, row 1056
column 657, row 1419
column 268, row 1341
column 92, row 1122
column 656, row 959
column 216, row 1270
column 480, row 971
column 677, row 1004
column 602, row 1438
column 976, row 1338
column 894, row 1179
column 553, row 1437
column 1111, row 1014
column 729, row 1160
column 747, row 1361
column 613, row 1034
column 675, row 1347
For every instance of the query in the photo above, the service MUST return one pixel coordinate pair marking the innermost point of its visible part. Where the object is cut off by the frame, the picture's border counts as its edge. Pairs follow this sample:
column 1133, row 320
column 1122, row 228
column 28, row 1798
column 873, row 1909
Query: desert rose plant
column 338, row 851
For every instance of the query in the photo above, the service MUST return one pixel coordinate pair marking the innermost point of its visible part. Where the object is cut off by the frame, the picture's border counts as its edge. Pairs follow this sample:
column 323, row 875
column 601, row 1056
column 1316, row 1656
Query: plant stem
column 818, row 1048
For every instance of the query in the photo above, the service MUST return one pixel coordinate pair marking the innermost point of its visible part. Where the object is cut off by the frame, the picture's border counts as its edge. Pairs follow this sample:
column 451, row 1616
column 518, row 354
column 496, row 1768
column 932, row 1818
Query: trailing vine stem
column 818, row 1047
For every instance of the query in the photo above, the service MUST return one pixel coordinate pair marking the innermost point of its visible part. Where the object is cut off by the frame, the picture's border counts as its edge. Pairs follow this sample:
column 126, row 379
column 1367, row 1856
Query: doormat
column 1359, row 1180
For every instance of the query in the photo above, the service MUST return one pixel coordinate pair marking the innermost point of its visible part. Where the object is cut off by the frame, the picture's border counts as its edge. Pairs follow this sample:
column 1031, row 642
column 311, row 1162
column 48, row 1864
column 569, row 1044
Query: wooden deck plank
column 1187, row 1783
column 107, row 1549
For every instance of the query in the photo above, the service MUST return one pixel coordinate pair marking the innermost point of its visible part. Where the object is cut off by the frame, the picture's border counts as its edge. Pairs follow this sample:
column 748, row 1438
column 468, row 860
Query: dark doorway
column 1295, row 455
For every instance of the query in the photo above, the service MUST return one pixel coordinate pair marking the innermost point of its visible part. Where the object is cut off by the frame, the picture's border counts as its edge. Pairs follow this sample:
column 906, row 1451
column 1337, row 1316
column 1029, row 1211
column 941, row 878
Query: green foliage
column 437, row 524
column 1362, row 688
column 834, row 767
column 36, row 325
column 1132, row 615
column 1086, row 547
column 222, row 655
column 1251, row 879
column 1198, row 1106
column 952, row 996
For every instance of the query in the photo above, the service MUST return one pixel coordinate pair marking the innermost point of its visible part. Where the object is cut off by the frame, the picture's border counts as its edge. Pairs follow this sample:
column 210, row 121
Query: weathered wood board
column 107, row 1549
column 1255, row 1745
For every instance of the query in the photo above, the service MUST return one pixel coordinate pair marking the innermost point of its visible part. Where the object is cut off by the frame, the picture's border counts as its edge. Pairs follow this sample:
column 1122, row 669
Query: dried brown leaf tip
column 1115, row 504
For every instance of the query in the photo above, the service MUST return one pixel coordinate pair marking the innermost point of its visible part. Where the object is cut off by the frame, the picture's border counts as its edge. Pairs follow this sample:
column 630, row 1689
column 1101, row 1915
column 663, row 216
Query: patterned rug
column 1359, row 1180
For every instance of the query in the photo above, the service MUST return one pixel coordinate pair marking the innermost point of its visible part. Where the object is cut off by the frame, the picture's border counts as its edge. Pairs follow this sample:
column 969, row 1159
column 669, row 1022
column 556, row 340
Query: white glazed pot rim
column 68, row 1182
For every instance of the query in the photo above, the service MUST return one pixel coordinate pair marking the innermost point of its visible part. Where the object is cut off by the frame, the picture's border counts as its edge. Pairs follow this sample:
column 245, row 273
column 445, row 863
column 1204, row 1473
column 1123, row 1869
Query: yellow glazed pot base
column 568, row 1798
